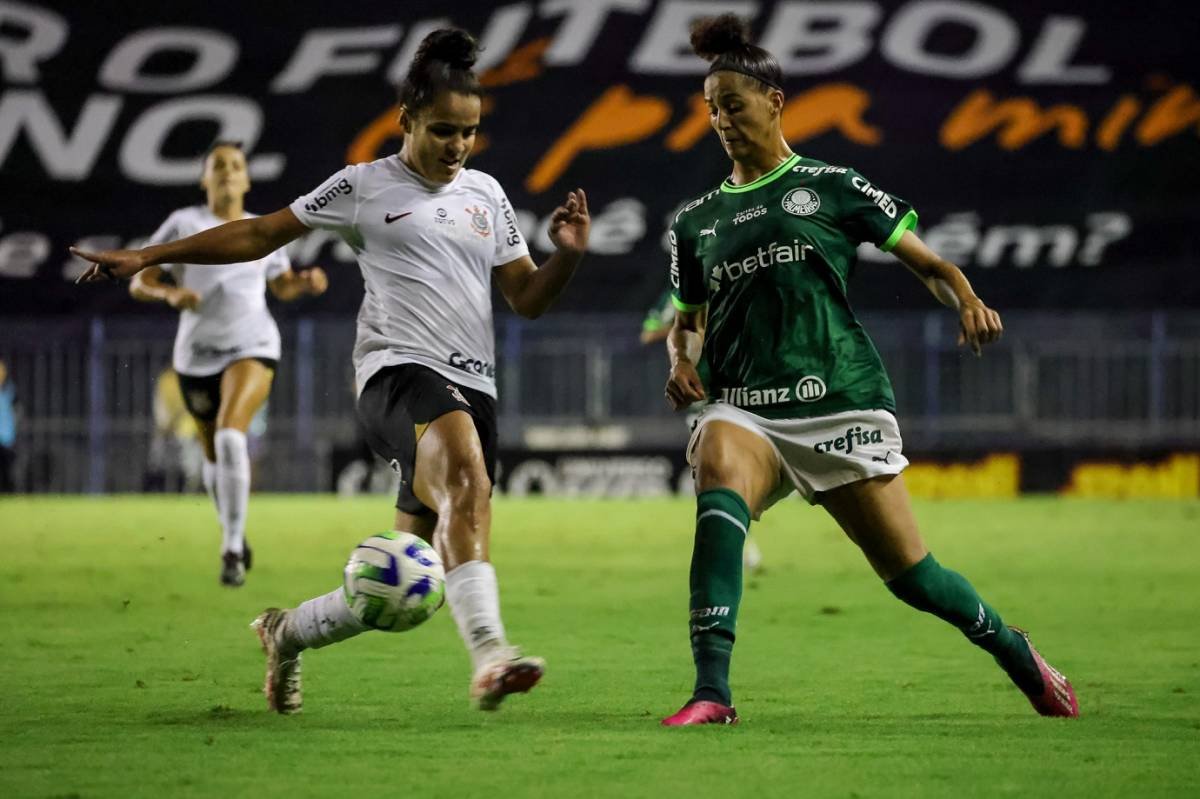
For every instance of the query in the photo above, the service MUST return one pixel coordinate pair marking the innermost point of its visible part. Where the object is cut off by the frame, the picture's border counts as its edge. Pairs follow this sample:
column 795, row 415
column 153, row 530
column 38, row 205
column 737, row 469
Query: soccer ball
column 394, row 581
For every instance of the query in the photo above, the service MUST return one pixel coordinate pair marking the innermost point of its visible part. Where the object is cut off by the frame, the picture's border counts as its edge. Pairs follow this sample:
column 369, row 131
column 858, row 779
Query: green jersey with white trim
column 771, row 260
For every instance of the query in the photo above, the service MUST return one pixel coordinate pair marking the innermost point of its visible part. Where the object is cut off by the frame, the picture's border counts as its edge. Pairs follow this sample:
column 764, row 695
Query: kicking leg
column 735, row 472
column 877, row 516
column 451, row 478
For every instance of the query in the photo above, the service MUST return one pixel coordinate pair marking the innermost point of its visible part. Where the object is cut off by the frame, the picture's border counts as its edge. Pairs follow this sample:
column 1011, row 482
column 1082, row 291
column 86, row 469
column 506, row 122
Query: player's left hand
column 110, row 264
column 315, row 280
column 978, row 325
column 570, row 223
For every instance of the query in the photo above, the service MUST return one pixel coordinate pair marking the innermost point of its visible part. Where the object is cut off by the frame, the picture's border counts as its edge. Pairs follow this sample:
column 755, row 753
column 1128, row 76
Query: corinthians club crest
column 479, row 221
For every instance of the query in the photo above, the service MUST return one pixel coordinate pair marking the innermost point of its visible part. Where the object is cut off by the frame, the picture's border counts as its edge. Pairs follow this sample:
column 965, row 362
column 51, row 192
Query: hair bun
column 452, row 46
column 712, row 37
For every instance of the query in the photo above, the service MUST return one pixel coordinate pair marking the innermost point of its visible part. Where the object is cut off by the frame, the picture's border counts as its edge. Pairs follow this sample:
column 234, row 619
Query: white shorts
column 820, row 453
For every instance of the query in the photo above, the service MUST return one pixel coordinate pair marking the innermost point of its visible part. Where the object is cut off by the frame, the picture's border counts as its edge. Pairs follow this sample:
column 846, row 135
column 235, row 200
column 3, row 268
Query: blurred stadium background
column 1054, row 162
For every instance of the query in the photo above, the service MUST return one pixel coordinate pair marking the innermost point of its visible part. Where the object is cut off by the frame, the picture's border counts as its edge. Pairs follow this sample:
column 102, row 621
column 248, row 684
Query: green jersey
column 771, row 260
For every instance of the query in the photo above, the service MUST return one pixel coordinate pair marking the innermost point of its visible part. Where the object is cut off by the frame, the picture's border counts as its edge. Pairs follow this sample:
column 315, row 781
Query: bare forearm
column 233, row 242
column 544, row 286
column 947, row 283
column 684, row 345
column 144, row 290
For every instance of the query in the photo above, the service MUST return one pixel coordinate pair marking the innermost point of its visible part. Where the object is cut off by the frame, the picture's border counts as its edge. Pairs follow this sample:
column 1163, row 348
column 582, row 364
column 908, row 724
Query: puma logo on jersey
column 711, row 231
column 390, row 218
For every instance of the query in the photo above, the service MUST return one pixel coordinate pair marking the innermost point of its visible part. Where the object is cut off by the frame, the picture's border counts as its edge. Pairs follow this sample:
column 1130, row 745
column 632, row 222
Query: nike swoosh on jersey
column 390, row 218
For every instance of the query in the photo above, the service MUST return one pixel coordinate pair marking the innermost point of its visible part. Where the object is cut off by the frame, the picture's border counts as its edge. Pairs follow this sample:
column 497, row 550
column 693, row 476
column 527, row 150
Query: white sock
column 233, row 486
column 323, row 620
column 209, row 474
column 474, row 600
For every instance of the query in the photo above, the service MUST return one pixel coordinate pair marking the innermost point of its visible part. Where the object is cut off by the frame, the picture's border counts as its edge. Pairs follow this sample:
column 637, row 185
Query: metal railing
column 1055, row 380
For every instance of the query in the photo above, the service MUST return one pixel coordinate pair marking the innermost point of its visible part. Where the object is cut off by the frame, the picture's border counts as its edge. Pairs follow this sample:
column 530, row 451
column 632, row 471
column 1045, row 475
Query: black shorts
column 398, row 400
column 202, row 395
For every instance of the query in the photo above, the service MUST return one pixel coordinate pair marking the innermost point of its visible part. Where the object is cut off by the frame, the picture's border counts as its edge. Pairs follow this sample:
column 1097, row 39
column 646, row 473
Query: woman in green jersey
column 798, row 397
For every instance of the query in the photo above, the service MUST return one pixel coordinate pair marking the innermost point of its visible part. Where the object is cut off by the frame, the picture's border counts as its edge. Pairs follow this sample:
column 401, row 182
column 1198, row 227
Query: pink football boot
column 1057, row 697
column 702, row 712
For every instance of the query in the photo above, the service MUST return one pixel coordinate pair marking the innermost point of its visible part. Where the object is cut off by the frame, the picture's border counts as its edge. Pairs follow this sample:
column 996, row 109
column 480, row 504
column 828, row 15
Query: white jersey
column 426, row 253
column 232, row 321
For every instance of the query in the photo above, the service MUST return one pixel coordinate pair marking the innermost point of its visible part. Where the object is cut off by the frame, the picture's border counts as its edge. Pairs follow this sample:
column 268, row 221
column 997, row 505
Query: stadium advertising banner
column 632, row 474
column 1048, row 154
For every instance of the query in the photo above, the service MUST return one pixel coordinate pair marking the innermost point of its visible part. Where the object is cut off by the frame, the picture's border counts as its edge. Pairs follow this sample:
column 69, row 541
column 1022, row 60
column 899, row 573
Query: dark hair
column 443, row 63
column 724, row 41
column 237, row 145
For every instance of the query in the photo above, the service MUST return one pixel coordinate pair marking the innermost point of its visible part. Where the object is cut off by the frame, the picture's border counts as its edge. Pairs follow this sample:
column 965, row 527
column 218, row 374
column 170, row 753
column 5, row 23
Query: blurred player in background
column 430, row 237
column 9, row 411
column 800, row 398
column 176, row 457
column 656, row 327
column 227, row 345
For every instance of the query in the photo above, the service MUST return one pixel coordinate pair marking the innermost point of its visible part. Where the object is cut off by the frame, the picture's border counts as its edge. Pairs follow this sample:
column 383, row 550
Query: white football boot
column 282, row 684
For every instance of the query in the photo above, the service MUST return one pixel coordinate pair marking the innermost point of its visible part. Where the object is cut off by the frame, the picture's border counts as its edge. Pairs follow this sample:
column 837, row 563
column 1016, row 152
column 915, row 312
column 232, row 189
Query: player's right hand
column 684, row 386
column 183, row 299
column 110, row 264
column 978, row 325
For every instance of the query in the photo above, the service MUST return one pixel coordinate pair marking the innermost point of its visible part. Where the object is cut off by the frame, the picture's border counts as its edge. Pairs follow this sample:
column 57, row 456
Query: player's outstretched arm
column 531, row 290
column 233, row 242
column 684, row 345
column 148, row 286
column 978, row 324
column 291, row 285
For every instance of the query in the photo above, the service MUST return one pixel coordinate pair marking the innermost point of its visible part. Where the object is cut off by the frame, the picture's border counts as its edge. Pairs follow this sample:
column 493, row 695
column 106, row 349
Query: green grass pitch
column 127, row 671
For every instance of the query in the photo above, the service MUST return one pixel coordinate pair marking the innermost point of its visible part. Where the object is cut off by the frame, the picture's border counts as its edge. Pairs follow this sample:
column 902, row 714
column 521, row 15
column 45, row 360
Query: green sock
column 722, row 521
column 946, row 594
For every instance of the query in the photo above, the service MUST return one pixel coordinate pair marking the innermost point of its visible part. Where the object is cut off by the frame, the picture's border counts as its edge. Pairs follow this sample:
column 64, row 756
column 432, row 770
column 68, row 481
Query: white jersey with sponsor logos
column 426, row 253
column 232, row 321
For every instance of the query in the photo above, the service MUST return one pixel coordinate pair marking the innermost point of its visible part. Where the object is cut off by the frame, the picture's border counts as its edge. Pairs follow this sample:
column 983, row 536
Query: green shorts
column 819, row 453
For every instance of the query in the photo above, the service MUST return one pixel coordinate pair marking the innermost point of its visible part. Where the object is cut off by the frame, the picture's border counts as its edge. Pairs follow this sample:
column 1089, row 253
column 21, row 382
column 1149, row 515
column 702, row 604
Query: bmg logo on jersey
column 513, row 234
column 324, row 198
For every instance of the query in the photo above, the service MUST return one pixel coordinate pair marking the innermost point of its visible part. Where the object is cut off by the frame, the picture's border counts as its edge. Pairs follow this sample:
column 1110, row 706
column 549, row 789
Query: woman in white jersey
column 227, row 345
column 430, row 237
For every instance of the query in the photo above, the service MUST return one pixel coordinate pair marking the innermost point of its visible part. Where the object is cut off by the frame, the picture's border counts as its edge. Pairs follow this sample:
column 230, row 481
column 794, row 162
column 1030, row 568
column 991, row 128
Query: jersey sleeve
column 689, row 291
column 510, row 243
column 331, row 206
column 871, row 214
column 169, row 230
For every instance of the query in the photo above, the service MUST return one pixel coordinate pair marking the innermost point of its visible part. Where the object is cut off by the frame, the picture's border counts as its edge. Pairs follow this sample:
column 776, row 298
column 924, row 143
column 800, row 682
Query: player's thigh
column 877, row 516
column 450, row 469
column 245, row 385
column 730, row 456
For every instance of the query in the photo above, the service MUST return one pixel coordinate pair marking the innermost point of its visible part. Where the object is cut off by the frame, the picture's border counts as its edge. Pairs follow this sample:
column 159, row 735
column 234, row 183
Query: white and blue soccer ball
column 394, row 581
